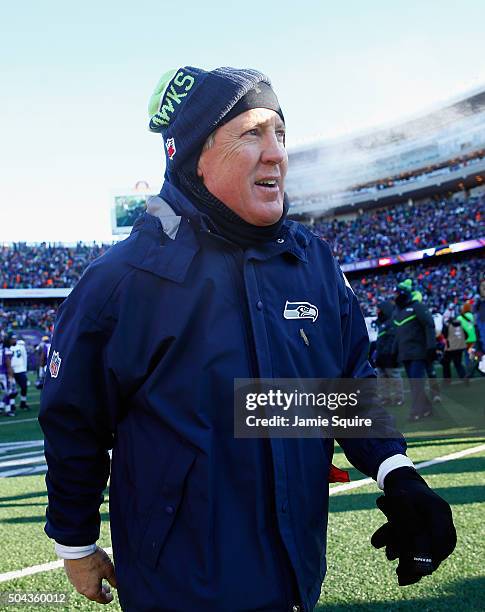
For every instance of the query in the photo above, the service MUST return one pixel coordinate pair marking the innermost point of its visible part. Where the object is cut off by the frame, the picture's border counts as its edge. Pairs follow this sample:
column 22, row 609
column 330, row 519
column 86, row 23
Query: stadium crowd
column 374, row 233
column 45, row 265
column 23, row 316
column 402, row 228
column 441, row 284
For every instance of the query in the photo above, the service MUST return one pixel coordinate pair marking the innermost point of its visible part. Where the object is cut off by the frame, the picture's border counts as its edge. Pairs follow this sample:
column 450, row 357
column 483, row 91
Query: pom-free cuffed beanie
column 188, row 104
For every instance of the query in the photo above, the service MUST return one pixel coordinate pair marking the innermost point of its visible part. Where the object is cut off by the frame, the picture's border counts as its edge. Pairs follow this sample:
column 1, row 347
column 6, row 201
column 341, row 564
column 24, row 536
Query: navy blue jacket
column 415, row 331
column 150, row 341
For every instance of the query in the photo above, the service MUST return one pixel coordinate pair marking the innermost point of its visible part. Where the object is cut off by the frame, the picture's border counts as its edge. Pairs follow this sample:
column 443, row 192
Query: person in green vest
column 467, row 321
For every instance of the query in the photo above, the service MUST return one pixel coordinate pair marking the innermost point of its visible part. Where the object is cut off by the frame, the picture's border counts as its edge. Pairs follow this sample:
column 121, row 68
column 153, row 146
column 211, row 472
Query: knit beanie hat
column 189, row 103
column 406, row 285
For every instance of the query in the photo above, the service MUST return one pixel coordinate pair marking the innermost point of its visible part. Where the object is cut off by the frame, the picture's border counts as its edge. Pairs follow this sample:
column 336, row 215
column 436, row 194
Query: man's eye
column 281, row 134
column 253, row 132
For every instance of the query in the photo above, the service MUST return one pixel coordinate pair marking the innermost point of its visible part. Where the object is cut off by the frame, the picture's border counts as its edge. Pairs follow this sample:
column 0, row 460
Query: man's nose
column 274, row 151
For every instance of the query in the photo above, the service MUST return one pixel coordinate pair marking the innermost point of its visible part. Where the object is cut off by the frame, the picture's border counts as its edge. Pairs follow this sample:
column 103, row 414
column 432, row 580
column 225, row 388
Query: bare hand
column 86, row 575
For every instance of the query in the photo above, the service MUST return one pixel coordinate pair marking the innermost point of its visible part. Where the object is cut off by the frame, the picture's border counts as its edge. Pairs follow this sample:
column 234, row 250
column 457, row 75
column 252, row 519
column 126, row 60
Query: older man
column 144, row 358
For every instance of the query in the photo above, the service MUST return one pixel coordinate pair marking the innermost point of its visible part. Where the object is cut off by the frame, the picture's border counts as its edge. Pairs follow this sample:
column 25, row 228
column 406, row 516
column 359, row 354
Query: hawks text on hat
column 169, row 94
column 189, row 103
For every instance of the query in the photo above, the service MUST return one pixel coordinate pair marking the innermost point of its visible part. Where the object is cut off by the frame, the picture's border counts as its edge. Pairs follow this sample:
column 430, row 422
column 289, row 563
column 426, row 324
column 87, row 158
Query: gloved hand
column 420, row 530
column 431, row 355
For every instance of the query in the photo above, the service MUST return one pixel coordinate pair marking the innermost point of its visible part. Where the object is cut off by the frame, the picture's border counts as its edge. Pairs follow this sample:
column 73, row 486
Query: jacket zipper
column 237, row 261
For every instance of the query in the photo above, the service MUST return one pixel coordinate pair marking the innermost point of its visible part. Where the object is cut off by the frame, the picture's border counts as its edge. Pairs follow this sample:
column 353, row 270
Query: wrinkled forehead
column 258, row 116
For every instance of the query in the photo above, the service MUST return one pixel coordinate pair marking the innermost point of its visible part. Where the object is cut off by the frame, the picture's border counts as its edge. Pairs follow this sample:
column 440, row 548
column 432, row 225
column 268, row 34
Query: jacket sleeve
column 366, row 454
column 77, row 416
column 424, row 317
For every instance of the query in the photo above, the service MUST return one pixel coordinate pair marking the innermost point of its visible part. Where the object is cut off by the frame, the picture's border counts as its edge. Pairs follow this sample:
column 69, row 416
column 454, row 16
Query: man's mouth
column 267, row 183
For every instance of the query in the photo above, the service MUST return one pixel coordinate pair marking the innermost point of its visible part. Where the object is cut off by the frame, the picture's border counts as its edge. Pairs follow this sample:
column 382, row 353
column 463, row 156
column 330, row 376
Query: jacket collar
column 157, row 253
column 293, row 239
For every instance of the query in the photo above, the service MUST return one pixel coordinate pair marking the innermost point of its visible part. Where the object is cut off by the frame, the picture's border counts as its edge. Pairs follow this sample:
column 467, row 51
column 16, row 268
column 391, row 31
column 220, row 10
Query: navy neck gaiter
column 225, row 221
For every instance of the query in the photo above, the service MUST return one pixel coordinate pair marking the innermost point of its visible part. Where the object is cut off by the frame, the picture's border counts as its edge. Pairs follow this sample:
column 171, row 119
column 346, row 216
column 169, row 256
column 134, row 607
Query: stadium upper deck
column 443, row 148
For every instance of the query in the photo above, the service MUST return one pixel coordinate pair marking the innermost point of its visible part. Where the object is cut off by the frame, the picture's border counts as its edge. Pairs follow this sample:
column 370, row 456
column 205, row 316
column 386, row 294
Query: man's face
column 247, row 151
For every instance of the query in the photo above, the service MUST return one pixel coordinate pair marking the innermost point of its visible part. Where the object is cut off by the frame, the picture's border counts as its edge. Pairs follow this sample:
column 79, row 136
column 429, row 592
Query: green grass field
column 358, row 579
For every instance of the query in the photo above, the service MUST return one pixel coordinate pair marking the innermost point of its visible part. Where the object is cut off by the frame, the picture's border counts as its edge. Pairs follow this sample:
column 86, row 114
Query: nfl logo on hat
column 170, row 146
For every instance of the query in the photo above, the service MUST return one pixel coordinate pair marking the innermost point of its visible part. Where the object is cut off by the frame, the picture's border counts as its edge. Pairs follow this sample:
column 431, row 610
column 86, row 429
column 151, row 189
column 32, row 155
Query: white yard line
column 346, row 486
column 5, row 453
column 45, row 567
column 24, row 444
column 451, row 456
column 14, row 461
column 25, row 471
column 363, row 481
column 37, row 569
column 14, row 421
column 15, row 455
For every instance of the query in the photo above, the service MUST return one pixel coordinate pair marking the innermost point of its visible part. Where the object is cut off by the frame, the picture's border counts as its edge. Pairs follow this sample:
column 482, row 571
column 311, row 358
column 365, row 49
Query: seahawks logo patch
column 300, row 310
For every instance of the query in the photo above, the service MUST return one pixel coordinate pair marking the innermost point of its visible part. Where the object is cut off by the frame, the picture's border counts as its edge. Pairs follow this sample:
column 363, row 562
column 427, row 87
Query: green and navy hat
column 406, row 285
column 189, row 103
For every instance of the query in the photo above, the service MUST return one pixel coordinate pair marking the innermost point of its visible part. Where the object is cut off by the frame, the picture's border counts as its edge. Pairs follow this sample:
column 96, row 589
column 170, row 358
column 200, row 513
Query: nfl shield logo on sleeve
column 55, row 364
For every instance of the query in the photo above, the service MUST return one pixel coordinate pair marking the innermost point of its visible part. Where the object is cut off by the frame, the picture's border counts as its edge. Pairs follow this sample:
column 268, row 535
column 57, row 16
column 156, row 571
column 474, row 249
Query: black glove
column 431, row 355
column 419, row 531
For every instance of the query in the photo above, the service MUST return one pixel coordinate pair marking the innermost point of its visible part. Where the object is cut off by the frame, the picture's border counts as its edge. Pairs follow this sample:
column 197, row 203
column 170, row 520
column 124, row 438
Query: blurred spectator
column 391, row 389
column 480, row 312
column 455, row 347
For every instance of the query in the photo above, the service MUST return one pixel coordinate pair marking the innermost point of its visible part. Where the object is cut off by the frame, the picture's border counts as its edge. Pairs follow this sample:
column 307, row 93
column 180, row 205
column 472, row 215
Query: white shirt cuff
column 389, row 464
column 74, row 552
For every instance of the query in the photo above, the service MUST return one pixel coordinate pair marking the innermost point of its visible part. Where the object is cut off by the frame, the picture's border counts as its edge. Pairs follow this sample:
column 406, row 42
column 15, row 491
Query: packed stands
column 28, row 315
column 371, row 233
column 441, row 284
column 404, row 227
column 45, row 265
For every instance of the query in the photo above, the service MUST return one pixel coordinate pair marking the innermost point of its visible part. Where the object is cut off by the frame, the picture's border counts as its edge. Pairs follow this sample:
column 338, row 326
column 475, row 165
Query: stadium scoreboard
column 127, row 205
